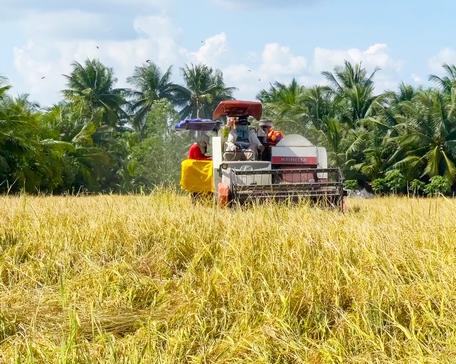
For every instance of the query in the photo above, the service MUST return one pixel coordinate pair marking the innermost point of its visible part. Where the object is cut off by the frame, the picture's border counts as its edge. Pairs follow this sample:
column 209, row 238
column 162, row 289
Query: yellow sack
column 197, row 176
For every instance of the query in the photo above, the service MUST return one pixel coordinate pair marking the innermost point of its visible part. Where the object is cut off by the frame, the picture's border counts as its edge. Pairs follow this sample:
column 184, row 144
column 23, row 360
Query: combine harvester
column 292, row 170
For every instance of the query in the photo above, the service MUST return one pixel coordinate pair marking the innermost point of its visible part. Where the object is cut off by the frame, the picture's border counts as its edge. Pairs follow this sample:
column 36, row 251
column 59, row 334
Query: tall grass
column 155, row 279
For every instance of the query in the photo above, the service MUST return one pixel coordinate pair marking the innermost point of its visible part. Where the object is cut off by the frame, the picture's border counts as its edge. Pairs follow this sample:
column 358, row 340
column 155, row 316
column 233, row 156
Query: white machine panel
column 259, row 179
column 216, row 151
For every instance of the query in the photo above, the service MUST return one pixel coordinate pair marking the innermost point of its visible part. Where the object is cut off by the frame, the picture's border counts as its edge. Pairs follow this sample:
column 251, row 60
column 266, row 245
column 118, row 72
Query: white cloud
column 377, row 55
column 446, row 55
column 162, row 39
column 327, row 59
column 276, row 63
column 34, row 61
column 416, row 78
column 253, row 57
column 375, row 48
column 40, row 75
column 156, row 39
column 248, row 81
column 213, row 52
column 156, row 26
column 72, row 24
column 278, row 60
column 158, row 43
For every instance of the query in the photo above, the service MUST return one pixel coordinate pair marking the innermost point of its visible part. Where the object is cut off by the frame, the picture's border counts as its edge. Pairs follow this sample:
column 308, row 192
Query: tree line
column 401, row 141
column 99, row 138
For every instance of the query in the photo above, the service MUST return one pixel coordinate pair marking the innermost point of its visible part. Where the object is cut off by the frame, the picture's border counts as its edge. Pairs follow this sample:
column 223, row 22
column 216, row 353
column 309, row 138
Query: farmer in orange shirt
column 270, row 139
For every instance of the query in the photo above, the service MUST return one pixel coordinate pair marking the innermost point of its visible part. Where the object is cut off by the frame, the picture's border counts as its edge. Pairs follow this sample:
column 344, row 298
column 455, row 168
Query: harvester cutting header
column 258, row 163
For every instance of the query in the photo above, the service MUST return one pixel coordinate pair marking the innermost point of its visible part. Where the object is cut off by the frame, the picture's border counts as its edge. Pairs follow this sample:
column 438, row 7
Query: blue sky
column 254, row 42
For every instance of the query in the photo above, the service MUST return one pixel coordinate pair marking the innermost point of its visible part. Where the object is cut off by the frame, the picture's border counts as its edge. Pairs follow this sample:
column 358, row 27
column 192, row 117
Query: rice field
column 155, row 279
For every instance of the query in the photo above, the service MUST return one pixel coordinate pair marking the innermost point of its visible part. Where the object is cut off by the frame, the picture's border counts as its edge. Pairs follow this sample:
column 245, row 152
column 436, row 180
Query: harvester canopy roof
column 236, row 108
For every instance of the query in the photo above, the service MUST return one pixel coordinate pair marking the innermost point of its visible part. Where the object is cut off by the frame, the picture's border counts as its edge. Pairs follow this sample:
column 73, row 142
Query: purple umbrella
column 197, row 124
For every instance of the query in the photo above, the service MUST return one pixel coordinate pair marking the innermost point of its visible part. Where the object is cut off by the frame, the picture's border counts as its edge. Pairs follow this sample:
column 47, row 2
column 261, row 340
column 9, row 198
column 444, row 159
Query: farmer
column 242, row 143
column 198, row 150
column 269, row 137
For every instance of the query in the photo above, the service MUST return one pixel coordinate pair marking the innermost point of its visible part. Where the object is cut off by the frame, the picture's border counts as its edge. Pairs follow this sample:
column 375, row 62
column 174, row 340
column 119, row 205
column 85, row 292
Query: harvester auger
column 291, row 169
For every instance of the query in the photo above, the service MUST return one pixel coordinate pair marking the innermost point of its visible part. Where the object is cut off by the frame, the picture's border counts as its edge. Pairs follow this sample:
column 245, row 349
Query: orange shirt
column 274, row 136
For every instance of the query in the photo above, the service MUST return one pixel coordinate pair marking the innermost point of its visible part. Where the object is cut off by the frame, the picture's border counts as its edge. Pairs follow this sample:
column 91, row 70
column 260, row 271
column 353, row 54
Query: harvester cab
column 259, row 163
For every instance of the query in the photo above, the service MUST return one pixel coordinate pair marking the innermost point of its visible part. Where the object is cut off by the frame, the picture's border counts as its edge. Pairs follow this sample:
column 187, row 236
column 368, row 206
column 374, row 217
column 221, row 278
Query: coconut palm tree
column 282, row 103
column 281, row 100
column 370, row 149
column 320, row 106
column 20, row 147
column 332, row 136
column 427, row 139
column 4, row 86
column 84, row 162
column 405, row 92
column 348, row 76
column 353, row 92
column 91, row 88
column 151, row 85
column 446, row 83
column 205, row 88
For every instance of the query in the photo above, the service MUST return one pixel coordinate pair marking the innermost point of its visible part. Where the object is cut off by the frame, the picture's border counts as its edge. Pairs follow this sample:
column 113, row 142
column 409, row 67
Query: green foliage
column 395, row 181
column 91, row 88
column 427, row 134
column 157, row 158
column 379, row 186
column 151, row 85
column 351, row 185
column 417, row 186
column 101, row 138
column 438, row 185
column 4, row 85
column 205, row 88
